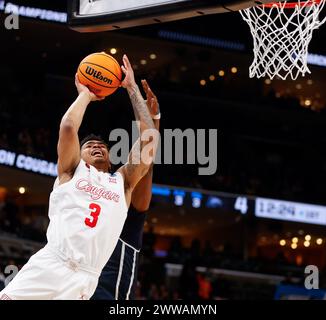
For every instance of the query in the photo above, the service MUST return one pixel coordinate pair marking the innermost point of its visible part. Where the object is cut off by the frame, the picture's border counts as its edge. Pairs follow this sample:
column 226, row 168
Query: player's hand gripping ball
column 101, row 73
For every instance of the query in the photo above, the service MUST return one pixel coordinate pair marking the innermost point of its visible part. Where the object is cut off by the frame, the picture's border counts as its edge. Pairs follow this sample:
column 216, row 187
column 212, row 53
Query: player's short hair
column 93, row 137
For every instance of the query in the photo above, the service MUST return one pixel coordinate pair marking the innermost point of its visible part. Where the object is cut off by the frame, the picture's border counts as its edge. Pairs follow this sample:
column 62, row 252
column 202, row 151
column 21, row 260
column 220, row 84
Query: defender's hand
column 83, row 89
column 151, row 99
column 152, row 103
column 129, row 80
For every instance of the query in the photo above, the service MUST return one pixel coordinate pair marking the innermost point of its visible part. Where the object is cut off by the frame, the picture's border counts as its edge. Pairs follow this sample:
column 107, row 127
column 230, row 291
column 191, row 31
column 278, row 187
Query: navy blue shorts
column 118, row 279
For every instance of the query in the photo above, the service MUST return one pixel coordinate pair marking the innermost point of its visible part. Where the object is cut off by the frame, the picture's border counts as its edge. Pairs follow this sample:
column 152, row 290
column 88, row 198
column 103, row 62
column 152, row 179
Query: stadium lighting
column 307, row 237
column 282, row 242
column 307, row 102
column 22, row 190
column 113, row 51
column 319, row 241
column 234, row 70
column 295, row 240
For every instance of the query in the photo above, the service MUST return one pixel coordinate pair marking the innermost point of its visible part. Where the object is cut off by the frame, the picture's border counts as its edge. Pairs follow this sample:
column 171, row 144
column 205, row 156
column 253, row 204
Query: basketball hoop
column 282, row 32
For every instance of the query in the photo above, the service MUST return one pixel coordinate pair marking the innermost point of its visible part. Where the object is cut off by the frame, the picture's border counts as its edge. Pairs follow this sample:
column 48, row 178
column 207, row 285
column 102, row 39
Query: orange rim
column 292, row 5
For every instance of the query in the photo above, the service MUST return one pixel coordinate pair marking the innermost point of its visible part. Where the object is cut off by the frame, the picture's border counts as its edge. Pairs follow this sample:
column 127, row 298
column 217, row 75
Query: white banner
column 31, row 12
column 90, row 7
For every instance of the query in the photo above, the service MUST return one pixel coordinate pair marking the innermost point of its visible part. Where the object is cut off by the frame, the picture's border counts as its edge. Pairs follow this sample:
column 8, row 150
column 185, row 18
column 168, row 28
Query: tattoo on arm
column 140, row 107
column 137, row 167
column 135, row 164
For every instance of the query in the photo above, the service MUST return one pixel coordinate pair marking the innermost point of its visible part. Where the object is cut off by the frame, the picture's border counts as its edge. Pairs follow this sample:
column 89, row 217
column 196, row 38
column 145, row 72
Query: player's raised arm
column 68, row 145
column 142, row 194
column 142, row 154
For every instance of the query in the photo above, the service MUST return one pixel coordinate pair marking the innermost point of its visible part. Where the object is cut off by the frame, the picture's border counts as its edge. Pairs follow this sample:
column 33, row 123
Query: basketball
column 101, row 73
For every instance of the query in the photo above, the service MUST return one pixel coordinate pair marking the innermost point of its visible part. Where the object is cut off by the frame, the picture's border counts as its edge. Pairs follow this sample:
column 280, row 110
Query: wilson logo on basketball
column 95, row 192
column 97, row 75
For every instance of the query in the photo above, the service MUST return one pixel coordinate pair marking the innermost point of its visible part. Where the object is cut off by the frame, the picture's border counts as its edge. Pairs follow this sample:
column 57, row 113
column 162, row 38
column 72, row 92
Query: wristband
column 157, row 116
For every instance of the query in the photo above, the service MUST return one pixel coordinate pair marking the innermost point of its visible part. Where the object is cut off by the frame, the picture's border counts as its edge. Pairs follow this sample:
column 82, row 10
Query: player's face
column 95, row 153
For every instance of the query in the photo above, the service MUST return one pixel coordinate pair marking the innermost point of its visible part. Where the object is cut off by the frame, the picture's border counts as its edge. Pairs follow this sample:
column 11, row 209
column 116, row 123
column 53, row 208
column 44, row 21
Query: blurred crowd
column 262, row 171
column 35, row 143
column 266, row 146
column 31, row 224
column 204, row 276
column 198, row 277
column 269, row 147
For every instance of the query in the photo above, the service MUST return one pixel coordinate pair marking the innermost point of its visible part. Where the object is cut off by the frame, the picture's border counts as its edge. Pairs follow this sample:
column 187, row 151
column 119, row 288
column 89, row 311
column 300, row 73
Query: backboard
column 103, row 15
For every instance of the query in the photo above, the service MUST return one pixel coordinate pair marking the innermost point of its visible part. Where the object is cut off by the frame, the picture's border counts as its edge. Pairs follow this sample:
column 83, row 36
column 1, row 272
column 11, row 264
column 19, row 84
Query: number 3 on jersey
column 96, row 210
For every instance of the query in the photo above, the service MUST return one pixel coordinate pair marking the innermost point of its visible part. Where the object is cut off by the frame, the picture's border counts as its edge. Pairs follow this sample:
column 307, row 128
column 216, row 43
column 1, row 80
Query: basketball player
column 87, row 208
column 119, row 277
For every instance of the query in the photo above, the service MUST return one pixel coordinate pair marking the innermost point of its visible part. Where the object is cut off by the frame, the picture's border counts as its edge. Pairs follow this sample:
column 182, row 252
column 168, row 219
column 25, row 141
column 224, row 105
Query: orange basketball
column 101, row 73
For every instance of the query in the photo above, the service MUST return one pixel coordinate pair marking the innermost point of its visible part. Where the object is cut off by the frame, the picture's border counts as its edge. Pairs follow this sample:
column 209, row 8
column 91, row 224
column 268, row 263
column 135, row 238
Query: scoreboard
column 242, row 204
column 290, row 211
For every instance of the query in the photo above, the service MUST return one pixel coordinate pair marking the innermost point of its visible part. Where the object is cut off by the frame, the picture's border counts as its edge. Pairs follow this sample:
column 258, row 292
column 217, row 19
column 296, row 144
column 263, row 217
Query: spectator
column 149, row 240
column 4, row 140
column 40, row 225
column 194, row 252
column 42, row 142
column 208, row 253
column 164, row 293
column 153, row 293
column 176, row 251
column 205, row 287
column 25, row 142
column 8, row 212
column 188, row 282
column 3, row 195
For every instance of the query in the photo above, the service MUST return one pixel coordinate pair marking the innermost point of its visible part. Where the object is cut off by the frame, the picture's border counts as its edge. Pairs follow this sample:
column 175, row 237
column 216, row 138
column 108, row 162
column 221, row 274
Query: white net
column 281, row 37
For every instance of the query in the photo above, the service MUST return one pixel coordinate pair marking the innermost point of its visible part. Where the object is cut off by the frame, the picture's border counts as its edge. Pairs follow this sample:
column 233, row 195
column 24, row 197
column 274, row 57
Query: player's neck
column 102, row 168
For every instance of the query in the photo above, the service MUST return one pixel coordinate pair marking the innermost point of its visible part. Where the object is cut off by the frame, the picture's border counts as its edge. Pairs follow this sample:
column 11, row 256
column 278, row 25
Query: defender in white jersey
column 88, row 205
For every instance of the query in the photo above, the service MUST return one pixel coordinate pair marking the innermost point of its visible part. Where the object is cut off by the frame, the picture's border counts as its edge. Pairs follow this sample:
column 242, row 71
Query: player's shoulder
column 82, row 166
column 64, row 178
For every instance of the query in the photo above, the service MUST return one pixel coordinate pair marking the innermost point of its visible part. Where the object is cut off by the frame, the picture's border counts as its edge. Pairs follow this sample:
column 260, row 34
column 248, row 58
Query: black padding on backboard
column 152, row 15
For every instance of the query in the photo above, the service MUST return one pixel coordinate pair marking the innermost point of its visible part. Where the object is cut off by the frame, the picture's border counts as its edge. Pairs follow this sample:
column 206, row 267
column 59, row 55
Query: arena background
column 202, row 237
